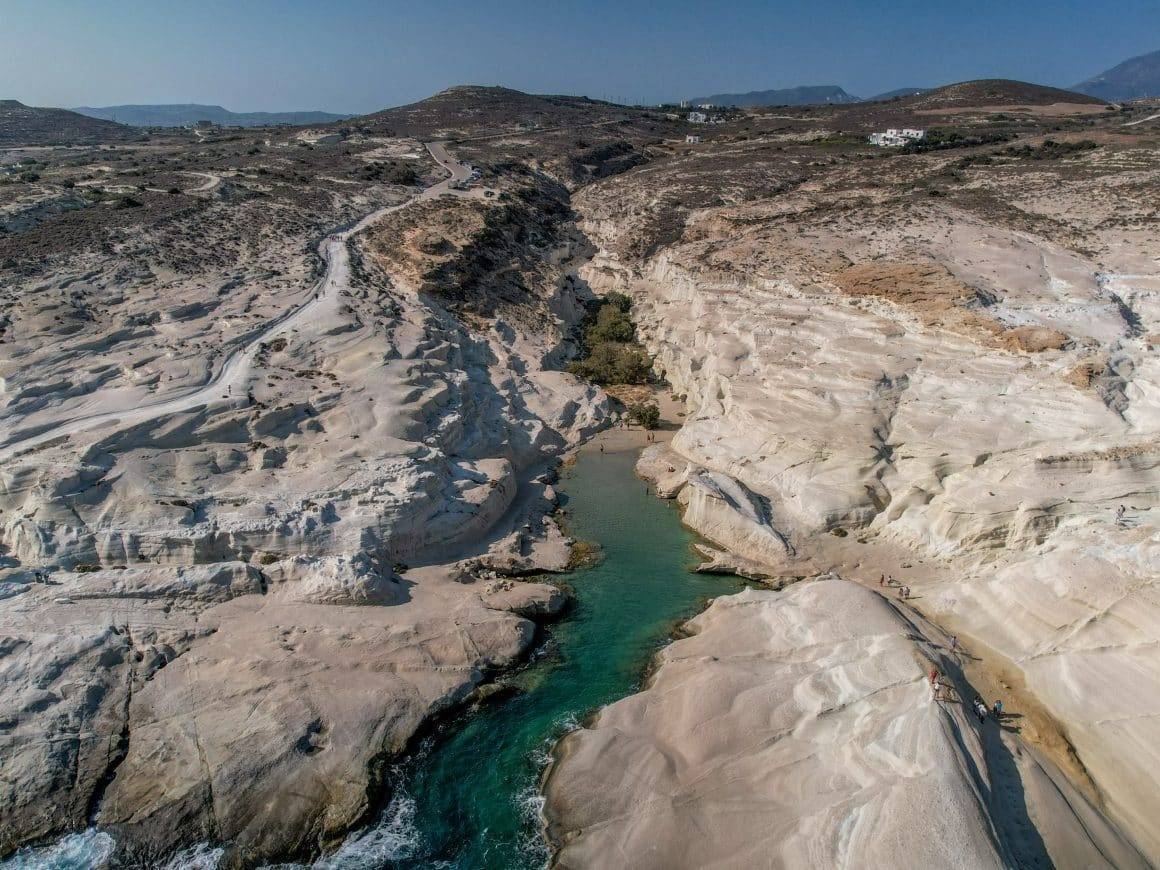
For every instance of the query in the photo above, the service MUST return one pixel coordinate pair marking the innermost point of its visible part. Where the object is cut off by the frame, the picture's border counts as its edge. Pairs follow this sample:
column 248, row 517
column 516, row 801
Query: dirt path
column 1142, row 120
column 230, row 379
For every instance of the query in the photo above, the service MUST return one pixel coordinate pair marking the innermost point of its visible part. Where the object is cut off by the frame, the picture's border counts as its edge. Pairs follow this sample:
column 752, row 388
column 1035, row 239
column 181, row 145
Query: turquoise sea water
column 469, row 798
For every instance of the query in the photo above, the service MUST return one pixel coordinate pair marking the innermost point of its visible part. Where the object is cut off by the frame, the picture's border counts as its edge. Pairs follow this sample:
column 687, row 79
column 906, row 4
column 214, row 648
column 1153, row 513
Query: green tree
column 614, row 363
column 620, row 300
column 612, row 324
column 648, row 416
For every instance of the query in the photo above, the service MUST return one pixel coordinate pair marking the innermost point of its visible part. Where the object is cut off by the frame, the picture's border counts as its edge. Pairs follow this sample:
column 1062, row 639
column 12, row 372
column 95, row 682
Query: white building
column 698, row 118
column 692, row 140
column 895, row 138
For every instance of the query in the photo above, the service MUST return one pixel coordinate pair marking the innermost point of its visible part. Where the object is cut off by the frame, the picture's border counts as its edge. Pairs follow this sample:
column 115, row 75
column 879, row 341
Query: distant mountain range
column 28, row 125
column 182, row 115
column 806, row 95
column 1134, row 79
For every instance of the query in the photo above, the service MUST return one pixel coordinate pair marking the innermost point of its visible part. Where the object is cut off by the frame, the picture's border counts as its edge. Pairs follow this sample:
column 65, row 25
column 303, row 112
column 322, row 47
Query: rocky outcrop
column 333, row 580
column 725, row 511
column 270, row 734
column 799, row 728
column 876, row 454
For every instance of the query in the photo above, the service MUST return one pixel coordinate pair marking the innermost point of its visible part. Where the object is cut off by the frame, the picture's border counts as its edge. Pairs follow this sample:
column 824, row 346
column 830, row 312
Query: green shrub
column 620, row 300
column 612, row 324
column 612, row 355
column 403, row 175
column 1052, row 150
column 614, row 363
column 648, row 416
column 940, row 139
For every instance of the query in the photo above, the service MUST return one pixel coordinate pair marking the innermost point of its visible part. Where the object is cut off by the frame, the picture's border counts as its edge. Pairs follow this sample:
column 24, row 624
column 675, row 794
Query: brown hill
column 27, row 125
column 994, row 92
column 475, row 110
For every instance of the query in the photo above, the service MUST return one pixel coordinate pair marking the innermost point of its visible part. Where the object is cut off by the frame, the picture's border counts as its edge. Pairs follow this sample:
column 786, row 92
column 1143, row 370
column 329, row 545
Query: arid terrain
column 260, row 482
column 282, row 409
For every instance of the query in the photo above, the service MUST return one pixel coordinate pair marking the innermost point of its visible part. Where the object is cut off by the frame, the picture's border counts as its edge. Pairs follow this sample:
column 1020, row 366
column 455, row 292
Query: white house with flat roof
column 894, row 138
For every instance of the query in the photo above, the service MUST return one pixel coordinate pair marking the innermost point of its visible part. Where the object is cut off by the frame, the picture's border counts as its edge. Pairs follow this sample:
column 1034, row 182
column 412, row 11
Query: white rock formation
column 799, row 729
column 221, row 621
column 962, row 398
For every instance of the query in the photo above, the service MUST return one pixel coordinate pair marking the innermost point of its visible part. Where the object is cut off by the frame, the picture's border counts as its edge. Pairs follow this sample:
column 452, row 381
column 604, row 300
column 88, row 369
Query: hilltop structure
column 895, row 138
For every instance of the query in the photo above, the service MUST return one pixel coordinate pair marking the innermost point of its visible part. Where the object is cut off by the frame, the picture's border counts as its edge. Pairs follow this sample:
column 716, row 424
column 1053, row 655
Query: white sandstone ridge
column 994, row 473
column 799, row 729
column 726, row 511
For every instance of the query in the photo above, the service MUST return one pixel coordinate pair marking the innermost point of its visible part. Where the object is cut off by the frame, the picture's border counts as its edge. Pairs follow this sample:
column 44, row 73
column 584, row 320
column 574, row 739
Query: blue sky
column 359, row 55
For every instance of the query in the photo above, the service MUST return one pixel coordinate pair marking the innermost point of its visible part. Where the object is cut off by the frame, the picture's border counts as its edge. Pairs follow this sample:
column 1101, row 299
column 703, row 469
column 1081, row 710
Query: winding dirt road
column 231, row 377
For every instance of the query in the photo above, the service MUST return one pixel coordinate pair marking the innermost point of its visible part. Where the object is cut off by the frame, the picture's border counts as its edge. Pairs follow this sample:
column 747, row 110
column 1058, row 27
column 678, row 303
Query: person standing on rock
column 1120, row 515
column 998, row 709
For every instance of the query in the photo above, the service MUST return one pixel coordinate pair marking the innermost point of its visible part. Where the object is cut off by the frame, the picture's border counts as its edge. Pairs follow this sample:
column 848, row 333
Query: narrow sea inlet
column 469, row 797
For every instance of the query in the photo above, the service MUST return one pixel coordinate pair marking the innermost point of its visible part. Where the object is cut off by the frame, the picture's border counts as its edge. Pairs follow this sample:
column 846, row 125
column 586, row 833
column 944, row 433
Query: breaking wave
column 92, row 850
column 87, row 850
column 394, row 838
column 199, row 857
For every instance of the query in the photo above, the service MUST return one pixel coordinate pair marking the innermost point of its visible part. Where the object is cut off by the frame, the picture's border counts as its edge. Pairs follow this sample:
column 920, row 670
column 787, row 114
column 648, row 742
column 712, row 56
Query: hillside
column 995, row 92
column 28, row 125
column 474, row 110
column 897, row 92
column 1134, row 79
column 805, row 95
column 179, row 115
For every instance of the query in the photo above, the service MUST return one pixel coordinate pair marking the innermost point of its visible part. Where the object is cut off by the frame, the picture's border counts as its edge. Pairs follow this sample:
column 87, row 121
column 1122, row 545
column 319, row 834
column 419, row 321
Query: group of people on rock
column 978, row 705
column 981, row 711
column 888, row 580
